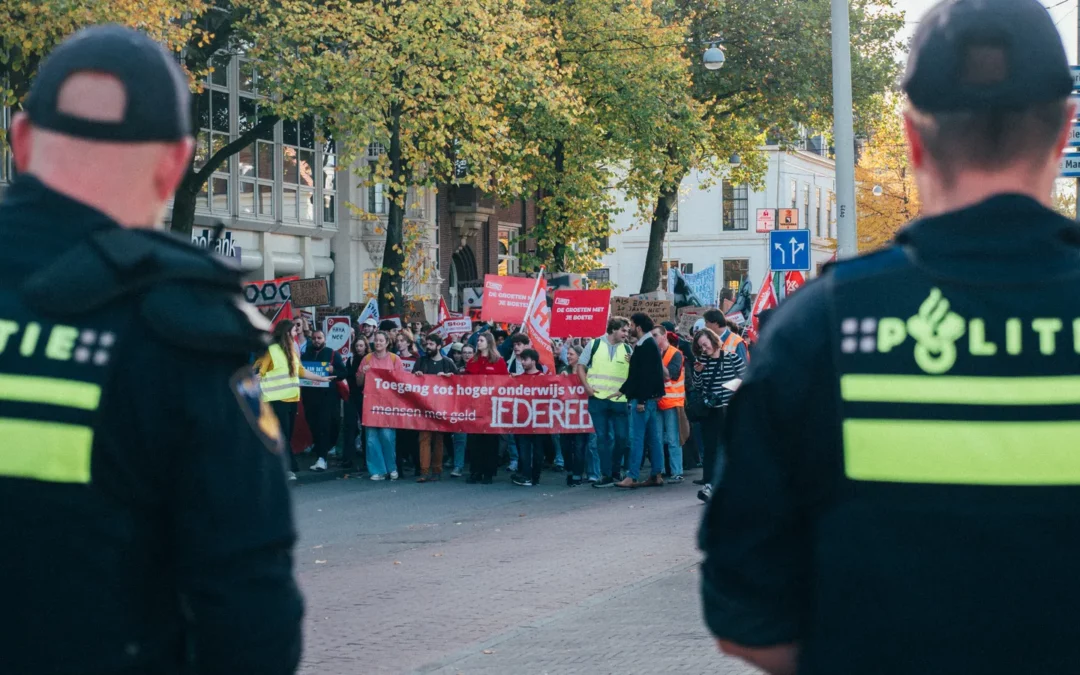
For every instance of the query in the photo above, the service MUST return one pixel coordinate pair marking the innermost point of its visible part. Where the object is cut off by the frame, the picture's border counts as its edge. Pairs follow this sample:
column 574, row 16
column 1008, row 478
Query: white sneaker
column 378, row 476
column 290, row 476
column 393, row 475
column 319, row 465
column 456, row 473
column 513, row 466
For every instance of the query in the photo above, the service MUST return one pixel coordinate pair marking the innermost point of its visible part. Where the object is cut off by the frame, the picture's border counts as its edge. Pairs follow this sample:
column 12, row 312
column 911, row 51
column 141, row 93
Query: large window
column 673, row 219
column 829, row 201
column 794, row 194
column 508, row 250
column 735, row 206
column 376, row 196
column 735, row 270
column 256, row 160
column 298, row 170
column 817, row 208
column 664, row 267
column 7, row 164
column 215, row 125
column 806, row 205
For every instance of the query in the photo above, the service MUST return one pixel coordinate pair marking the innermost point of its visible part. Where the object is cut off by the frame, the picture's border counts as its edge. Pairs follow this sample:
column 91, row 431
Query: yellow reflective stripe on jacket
column 46, row 451
column 49, row 391
column 277, row 384
column 946, row 389
column 963, row 452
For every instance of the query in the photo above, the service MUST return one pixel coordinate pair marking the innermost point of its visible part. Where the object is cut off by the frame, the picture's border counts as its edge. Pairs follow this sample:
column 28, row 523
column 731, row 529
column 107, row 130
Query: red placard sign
column 477, row 404
column 506, row 299
column 581, row 314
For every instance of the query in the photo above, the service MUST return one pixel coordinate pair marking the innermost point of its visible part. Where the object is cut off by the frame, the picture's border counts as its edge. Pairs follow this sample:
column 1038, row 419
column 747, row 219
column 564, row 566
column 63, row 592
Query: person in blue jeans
column 644, row 387
column 602, row 368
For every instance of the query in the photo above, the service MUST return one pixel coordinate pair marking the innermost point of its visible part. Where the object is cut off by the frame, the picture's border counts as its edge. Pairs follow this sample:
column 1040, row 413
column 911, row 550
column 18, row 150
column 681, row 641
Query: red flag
column 284, row 313
column 766, row 299
column 538, row 326
column 793, row 281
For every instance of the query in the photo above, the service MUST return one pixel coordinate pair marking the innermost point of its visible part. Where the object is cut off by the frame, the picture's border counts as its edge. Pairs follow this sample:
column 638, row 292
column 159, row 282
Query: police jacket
column 146, row 522
column 902, row 492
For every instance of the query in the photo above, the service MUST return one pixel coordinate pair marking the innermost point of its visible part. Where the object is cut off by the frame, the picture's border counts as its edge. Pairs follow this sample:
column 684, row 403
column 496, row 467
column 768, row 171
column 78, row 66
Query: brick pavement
column 401, row 577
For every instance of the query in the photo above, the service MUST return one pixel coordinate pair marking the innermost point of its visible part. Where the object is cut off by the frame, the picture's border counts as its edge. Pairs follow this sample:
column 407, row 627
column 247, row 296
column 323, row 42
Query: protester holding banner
column 279, row 373
column 714, row 369
column 381, row 448
column 355, row 407
column 603, row 368
column 431, row 442
column 484, row 448
column 322, row 405
column 574, row 446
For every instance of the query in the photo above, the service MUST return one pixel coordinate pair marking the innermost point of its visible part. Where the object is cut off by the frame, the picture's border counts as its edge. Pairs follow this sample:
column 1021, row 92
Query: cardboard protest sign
column 310, row 292
column 338, row 331
column 316, row 368
column 580, row 313
column 478, row 404
column 658, row 310
column 506, row 299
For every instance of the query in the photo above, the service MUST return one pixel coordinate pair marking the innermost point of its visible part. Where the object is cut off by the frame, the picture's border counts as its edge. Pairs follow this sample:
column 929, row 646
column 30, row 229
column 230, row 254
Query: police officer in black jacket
column 146, row 522
column 902, row 494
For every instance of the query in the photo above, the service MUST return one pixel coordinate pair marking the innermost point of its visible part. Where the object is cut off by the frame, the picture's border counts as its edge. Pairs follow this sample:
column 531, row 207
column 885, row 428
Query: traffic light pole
column 843, row 131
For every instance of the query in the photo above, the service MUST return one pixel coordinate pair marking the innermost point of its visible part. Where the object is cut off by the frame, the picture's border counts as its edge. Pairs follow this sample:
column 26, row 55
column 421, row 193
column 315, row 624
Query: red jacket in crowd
column 481, row 366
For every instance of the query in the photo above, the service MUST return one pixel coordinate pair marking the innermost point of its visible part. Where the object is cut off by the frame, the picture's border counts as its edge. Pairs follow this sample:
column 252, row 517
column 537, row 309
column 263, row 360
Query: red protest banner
column 581, row 314
column 477, row 404
column 506, row 299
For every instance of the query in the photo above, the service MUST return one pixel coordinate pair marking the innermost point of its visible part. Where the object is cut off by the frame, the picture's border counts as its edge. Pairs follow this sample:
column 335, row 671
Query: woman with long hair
column 279, row 373
column 484, row 448
column 354, row 410
column 407, row 440
column 380, row 441
column 713, row 368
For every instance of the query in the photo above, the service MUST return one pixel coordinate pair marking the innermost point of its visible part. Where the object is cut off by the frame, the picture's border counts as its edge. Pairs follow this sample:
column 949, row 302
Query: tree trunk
column 391, row 299
column 650, row 278
column 183, row 210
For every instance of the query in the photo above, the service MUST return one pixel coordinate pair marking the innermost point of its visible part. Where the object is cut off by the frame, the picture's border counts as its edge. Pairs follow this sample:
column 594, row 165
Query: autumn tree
column 432, row 82
column 777, row 79
column 886, row 198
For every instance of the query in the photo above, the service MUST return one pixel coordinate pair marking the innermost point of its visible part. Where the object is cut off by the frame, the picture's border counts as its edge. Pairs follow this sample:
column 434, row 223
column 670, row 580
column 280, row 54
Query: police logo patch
column 257, row 412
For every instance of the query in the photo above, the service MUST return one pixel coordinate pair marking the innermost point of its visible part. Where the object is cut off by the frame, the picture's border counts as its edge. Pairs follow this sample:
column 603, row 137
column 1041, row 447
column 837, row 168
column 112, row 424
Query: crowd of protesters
column 652, row 394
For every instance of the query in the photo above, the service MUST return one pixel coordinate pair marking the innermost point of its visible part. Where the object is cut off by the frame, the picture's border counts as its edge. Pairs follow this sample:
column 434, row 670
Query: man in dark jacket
column 644, row 387
column 322, row 408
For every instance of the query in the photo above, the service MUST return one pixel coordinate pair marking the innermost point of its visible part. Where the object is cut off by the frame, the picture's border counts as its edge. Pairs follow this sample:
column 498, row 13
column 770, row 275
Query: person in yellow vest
column 671, row 406
column 603, row 368
column 279, row 372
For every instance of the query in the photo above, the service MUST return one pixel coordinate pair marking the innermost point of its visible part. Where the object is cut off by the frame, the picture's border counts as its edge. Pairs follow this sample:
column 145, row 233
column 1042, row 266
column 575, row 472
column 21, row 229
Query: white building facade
column 716, row 225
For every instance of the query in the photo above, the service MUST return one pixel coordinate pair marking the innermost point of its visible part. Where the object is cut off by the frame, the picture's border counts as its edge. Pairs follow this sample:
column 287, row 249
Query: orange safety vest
column 674, row 390
column 732, row 342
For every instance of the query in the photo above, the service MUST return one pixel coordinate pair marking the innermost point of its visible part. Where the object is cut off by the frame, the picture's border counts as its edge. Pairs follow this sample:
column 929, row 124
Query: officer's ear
column 916, row 147
column 171, row 167
column 19, row 137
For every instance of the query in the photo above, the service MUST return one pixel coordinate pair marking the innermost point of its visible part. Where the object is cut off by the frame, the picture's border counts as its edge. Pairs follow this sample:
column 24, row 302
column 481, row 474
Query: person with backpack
column 603, row 368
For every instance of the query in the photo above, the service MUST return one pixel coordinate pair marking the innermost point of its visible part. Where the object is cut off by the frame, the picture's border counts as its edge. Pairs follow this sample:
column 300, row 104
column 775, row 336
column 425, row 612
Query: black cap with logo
column 157, row 99
column 970, row 55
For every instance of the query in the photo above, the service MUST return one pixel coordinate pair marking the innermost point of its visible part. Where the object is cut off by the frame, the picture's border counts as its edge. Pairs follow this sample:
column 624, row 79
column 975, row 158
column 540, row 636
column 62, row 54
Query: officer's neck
column 974, row 187
column 128, row 212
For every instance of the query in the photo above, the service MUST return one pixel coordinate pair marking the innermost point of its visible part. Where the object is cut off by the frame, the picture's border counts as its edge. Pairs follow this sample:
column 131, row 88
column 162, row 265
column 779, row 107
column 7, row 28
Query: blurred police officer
column 146, row 522
column 903, row 487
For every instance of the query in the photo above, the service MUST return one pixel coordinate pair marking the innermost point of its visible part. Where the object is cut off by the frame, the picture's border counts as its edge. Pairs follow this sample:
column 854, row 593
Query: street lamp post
column 843, row 131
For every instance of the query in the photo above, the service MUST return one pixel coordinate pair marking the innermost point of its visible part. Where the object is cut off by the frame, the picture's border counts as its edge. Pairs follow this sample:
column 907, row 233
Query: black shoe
column 572, row 482
column 700, row 481
column 605, row 482
column 473, row 479
column 486, row 481
column 558, row 469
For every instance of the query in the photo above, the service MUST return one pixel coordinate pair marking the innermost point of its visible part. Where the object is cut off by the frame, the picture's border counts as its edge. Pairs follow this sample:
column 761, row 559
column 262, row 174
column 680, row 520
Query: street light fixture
column 713, row 58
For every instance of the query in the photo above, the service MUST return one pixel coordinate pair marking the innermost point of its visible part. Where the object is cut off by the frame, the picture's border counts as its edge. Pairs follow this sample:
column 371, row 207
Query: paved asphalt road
column 449, row 578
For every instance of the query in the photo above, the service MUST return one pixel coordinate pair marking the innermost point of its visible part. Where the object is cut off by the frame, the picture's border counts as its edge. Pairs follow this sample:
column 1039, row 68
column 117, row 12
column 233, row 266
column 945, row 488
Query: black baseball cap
column 158, row 102
column 970, row 55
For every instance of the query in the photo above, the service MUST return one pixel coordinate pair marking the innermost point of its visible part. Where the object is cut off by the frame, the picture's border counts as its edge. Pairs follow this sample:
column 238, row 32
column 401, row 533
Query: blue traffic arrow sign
column 789, row 250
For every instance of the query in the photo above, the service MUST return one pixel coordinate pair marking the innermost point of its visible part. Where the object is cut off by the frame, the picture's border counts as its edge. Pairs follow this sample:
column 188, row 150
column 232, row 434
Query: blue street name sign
column 789, row 250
